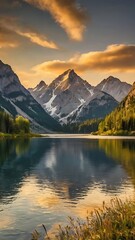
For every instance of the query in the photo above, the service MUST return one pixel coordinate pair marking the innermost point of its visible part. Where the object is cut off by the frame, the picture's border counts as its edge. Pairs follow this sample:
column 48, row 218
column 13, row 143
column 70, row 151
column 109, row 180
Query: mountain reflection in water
column 43, row 179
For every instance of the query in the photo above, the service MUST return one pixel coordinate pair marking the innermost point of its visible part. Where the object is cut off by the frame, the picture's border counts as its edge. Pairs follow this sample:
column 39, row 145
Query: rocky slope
column 96, row 106
column 39, row 90
column 65, row 94
column 15, row 99
column 69, row 98
column 114, row 87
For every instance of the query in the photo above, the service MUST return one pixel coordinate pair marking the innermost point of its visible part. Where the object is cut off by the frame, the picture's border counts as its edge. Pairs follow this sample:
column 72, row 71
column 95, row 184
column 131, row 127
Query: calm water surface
column 45, row 180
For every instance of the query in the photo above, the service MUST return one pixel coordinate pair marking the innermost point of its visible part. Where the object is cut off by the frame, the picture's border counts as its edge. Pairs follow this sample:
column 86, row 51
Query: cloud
column 67, row 13
column 115, row 58
column 7, row 39
column 37, row 38
column 15, row 28
column 9, row 4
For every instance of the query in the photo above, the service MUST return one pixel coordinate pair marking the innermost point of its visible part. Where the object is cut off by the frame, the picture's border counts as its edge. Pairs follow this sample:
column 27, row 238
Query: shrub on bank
column 116, row 222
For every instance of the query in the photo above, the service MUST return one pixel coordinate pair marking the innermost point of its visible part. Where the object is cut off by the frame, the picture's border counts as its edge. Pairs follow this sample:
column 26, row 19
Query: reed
column 113, row 222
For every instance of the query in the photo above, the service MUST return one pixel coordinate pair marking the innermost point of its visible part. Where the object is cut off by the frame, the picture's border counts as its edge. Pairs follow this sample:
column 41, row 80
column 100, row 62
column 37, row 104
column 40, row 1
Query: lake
column 45, row 180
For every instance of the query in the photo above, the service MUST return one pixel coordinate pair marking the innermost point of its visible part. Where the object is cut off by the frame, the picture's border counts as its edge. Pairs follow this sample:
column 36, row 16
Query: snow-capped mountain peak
column 16, row 99
column 39, row 90
column 9, row 81
column 64, row 94
column 41, row 84
column 70, row 98
column 114, row 87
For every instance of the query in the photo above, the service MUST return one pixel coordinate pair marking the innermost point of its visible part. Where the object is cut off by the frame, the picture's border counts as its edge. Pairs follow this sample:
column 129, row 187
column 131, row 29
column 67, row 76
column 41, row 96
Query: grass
column 114, row 222
column 19, row 135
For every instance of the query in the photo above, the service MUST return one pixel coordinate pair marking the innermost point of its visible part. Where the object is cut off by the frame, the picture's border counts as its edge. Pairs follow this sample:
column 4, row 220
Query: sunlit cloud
column 115, row 58
column 67, row 13
column 7, row 39
column 15, row 28
column 38, row 39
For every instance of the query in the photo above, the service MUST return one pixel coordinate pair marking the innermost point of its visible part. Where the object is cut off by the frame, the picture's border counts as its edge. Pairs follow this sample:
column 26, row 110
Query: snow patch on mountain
column 48, row 106
column 18, row 100
column 82, row 100
column 70, row 98
column 114, row 87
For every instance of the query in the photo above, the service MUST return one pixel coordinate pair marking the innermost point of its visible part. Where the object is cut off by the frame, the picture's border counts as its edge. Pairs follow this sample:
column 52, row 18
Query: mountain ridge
column 13, row 93
column 78, row 93
column 114, row 87
column 64, row 94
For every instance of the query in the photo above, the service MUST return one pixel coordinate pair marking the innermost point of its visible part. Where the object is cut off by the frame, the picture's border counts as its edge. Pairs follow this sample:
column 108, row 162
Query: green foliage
column 11, row 125
column 121, row 120
column 87, row 126
column 22, row 124
column 115, row 222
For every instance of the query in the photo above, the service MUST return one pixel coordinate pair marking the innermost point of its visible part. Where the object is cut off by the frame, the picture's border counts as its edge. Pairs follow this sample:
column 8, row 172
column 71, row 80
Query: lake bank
column 19, row 135
column 113, row 221
column 85, row 136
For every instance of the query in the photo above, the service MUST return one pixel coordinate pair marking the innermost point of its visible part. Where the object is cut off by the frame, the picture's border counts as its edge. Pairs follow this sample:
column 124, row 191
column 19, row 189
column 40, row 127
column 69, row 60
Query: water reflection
column 73, row 167
column 123, row 152
column 17, row 158
column 43, row 179
column 70, row 166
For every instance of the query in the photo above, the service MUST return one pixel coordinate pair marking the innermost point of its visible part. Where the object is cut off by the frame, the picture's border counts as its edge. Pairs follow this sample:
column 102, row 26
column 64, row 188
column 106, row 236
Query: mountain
column 39, row 90
column 122, row 119
column 97, row 106
column 114, row 87
column 65, row 94
column 69, row 98
column 17, row 100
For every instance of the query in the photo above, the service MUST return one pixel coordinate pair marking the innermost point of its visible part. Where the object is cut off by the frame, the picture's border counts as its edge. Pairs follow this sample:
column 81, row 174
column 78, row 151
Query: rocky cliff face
column 15, row 99
column 65, row 94
column 114, row 87
column 39, row 90
column 96, row 106
column 69, row 98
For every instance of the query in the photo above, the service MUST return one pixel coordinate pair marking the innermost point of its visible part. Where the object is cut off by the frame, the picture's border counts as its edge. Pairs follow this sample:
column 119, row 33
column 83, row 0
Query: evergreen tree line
column 9, row 124
column 87, row 126
column 121, row 119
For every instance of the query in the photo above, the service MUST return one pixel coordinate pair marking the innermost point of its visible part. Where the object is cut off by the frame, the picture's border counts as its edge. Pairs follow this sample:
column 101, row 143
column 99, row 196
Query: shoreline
column 14, row 135
column 64, row 136
column 85, row 136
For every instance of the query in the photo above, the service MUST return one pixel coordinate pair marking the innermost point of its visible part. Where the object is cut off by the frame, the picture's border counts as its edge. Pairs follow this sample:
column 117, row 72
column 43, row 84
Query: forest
column 88, row 126
column 11, row 125
column 122, row 119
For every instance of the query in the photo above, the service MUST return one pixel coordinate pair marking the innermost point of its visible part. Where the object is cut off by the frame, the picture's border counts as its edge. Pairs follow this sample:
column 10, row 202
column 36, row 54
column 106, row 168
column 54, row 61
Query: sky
column 41, row 39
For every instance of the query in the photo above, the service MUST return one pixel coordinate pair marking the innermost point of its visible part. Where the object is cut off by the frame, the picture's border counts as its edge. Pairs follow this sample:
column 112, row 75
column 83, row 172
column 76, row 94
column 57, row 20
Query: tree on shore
column 10, row 125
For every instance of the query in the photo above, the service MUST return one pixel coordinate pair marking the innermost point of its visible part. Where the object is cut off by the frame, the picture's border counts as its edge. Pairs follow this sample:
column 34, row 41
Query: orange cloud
column 115, row 58
column 7, row 39
column 38, row 39
column 70, row 17
column 15, row 28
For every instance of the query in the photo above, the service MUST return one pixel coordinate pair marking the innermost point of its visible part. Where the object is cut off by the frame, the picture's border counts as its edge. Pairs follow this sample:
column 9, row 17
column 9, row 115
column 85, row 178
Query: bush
column 116, row 222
